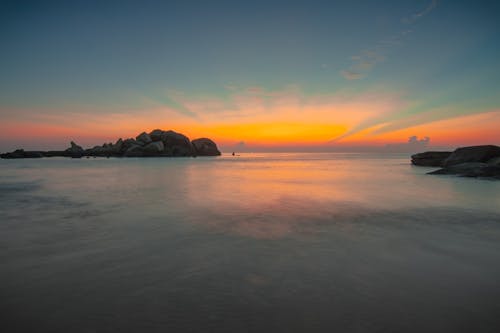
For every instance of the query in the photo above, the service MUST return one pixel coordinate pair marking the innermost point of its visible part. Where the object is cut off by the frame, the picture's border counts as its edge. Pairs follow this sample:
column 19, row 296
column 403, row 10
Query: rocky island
column 473, row 161
column 157, row 143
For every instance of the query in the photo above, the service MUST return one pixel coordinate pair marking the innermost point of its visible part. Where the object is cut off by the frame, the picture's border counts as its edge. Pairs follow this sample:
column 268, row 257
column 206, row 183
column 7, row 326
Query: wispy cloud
column 174, row 100
column 366, row 60
column 350, row 75
column 403, row 119
column 233, row 103
column 256, row 114
column 418, row 15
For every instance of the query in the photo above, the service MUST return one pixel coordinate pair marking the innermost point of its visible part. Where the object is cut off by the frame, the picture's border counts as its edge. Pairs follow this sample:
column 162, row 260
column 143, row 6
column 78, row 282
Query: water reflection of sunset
column 266, row 196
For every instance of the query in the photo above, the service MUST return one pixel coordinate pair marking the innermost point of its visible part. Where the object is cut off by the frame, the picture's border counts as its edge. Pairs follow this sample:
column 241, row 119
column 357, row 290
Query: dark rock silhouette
column 143, row 138
column 473, row 161
column 75, row 151
column 127, row 143
column 205, row 147
column 472, row 154
column 21, row 153
column 470, row 169
column 54, row 153
column 134, row 150
column 430, row 158
column 494, row 161
column 176, row 144
column 156, row 134
column 155, row 144
column 156, row 147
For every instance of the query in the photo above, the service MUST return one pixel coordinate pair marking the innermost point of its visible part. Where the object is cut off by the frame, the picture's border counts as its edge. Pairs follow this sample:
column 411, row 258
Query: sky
column 251, row 75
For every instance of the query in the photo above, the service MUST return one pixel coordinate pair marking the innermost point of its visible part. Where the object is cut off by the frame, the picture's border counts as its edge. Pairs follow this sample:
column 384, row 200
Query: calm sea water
column 255, row 243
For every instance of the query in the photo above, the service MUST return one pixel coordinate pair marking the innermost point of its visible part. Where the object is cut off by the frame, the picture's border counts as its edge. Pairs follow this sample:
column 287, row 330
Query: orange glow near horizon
column 286, row 123
column 274, row 133
column 474, row 129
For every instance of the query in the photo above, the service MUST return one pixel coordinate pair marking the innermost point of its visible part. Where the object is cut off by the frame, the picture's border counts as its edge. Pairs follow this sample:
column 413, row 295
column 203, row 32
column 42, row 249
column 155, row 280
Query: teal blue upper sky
column 115, row 54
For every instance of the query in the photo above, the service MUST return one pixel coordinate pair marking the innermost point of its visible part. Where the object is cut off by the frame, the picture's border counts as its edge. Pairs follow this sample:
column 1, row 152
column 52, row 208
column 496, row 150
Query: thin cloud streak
column 364, row 62
column 350, row 75
column 417, row 16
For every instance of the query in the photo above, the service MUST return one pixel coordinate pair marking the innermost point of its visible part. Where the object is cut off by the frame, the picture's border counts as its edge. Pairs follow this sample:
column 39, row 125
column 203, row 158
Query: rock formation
column 430, row 158
column 205, row 147
column 473, row 161
column 143, row 138
column 176, row 144
column 470, row 169
column 21, row 153
column 75, row 151
column 472, row 154
column 153, row 144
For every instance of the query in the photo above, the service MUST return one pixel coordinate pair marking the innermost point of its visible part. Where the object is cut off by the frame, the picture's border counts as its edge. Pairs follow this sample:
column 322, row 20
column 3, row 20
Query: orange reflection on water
column 266, row 197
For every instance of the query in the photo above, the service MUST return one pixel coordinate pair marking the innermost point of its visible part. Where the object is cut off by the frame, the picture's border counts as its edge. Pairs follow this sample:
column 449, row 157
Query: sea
column 263, row 242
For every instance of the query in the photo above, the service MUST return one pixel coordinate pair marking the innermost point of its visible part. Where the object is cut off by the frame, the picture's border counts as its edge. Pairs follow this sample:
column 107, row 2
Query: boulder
column 472, row 154
column 117, row 147
column 154, row 148
column 205, row 147
column 129, row 143
column 490, row 171
column 430, row 158
column 156, row 134
column 54, row 153
column 75, row 151
column 18, row 153
column 176, row 144
column 75, row 148
column 98, row 151
column 107, row 149
column 134, row 151
column 470, row 169
column 494, row 161
column 144, row 138
column 92, row 151
column 461, row 169
column 21, row 153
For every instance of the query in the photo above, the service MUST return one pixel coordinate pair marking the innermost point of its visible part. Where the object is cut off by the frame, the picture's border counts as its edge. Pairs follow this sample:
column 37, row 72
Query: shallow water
column 260, row 242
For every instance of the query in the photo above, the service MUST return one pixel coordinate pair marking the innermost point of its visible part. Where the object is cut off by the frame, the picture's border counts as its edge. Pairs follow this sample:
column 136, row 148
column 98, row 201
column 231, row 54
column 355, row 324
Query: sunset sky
column 251, row 74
